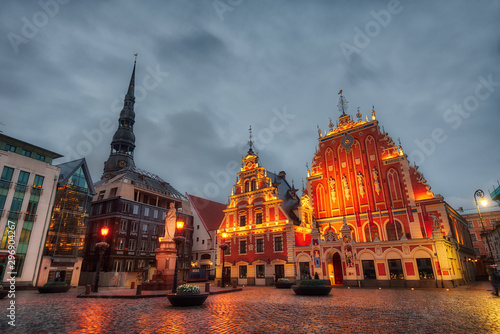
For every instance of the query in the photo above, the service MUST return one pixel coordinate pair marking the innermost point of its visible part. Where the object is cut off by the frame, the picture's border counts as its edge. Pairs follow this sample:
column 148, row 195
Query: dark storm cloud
column 210, row 75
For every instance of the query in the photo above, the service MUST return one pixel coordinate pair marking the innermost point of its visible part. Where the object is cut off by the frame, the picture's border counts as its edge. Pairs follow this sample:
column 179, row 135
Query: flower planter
column 177, row 299
column 312, row 290
column 53, row 289
column 283, row 285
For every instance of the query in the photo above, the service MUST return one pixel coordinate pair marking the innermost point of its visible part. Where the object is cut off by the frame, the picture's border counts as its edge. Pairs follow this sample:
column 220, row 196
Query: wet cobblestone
column 263, row 310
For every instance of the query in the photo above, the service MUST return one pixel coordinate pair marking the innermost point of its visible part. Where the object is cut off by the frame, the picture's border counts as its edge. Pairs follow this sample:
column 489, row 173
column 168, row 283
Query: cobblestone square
column 470, row 309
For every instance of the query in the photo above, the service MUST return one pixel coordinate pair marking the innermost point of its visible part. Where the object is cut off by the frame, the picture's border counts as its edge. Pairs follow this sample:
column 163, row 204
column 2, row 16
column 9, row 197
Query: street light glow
column 484, row 202
column 104, row 231
column 180, row 224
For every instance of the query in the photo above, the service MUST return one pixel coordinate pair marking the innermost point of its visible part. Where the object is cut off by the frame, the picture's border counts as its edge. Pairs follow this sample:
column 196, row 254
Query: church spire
column 250, row 142
column 123, row 143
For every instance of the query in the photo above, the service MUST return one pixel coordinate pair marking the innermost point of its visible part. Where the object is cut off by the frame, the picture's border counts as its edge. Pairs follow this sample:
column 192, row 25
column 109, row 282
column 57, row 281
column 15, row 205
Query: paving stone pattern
column 263, row 310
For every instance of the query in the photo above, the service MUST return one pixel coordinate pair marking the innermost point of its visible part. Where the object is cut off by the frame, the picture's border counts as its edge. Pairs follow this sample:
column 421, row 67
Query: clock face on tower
column 122, row 163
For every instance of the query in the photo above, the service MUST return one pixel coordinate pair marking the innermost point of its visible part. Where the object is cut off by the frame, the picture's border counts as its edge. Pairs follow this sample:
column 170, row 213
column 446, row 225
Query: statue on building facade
column 333, row 193
column 347, row 193
column 376, row 182
column 361, row 184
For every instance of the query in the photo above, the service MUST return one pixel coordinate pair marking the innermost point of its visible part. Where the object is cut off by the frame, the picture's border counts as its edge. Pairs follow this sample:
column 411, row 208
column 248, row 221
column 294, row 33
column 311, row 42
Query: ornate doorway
column 337, row 269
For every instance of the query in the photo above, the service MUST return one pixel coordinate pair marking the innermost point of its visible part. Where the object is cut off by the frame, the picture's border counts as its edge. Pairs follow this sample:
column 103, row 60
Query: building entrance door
column 279, row 270
column 337, row 269
column 227, row 275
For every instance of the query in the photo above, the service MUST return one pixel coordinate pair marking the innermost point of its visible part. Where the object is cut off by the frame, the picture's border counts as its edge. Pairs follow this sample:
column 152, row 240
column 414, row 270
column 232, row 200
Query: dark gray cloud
column 205, row 75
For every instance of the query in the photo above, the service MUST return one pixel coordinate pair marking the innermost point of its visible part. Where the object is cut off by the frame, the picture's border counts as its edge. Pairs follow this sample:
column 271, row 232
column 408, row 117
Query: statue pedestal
column 163, row 278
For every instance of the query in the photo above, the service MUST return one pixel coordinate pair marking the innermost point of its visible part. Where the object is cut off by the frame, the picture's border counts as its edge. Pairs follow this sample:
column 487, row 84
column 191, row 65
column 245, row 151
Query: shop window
column 425, row 270
column 369, row 269
column 243, row 271
column 260, row 271
column 396, row 269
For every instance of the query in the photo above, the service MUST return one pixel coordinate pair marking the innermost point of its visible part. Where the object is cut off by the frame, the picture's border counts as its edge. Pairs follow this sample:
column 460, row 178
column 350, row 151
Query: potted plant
column 3, row 293
column 312, row 287
column 54, row 287
column 187, row 295
column 283, row 283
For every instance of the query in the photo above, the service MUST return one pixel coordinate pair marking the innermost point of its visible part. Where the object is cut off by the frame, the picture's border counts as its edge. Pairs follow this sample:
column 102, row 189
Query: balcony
column 29, row 217
column 5, row 184
column 36, row 191
column 14, row 214
column 21, row 187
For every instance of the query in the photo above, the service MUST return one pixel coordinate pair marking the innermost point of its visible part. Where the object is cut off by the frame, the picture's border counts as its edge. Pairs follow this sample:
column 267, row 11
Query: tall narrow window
column 243, row 220
column 394, row 231
column 258, row 218
column 278, row 244
column 243, row 246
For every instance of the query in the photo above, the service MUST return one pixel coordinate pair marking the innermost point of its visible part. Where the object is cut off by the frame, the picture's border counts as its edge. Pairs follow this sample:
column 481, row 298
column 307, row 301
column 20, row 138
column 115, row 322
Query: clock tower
column 123, row 143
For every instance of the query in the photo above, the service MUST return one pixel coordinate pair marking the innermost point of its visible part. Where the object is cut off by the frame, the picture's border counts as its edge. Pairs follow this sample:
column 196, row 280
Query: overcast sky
column 207, row 70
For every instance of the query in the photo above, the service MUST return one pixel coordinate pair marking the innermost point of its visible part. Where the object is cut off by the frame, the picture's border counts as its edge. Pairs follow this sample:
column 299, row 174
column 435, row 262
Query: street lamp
column 179, row 239
column 101, row 247
column 223, row 246
column 480, row 194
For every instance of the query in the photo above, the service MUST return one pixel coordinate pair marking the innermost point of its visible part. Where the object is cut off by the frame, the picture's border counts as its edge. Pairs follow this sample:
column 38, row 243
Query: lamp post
column 101, row 247
column 223, row 246
column 178, row 240
column 480, row 194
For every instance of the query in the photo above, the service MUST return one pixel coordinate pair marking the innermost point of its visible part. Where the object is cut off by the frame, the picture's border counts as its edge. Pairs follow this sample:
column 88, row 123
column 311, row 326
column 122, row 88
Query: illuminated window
column 120, row 244
column 425, row 270
column 395, row 269
column 117, row 266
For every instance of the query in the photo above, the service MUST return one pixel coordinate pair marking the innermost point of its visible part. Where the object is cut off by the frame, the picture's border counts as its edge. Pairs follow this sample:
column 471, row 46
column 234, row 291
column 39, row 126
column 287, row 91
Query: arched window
column 394, row 184
column 371, row 232
column 394, row 230
column 353, row 234
column 247, row 185
column 254, row 185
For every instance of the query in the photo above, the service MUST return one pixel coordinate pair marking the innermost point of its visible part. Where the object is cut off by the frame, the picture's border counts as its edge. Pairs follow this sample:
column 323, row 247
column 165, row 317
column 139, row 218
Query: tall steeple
column 123, row 143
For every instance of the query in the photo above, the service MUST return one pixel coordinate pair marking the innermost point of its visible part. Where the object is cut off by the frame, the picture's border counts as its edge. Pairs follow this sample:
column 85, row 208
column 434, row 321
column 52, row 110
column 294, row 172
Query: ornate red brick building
column 367, row 217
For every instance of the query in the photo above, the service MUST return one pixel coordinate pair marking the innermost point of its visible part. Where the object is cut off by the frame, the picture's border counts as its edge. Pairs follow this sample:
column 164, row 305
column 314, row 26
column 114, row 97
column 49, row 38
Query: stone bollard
column 139, row 290
column 132, row 285
column 87, row 290
column 207, row 287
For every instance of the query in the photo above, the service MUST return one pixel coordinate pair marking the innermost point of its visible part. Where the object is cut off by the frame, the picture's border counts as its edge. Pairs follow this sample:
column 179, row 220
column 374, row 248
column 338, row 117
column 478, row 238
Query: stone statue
column 435, row 222
column 376, row 182
column 360, row 184
column 347, row 193
column 170, row 221
column 333, row 193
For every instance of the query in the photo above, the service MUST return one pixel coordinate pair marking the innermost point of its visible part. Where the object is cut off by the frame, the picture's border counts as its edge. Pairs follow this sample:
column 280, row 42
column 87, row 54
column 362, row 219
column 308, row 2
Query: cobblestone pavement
column 264, row 310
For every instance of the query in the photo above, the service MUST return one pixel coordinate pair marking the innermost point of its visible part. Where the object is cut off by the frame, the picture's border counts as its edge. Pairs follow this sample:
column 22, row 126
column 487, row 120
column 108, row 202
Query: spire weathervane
column 342, row 104
column 359, row 115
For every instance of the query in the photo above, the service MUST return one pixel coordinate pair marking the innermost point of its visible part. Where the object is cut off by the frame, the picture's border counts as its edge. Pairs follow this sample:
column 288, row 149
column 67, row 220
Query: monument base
column 163, row 278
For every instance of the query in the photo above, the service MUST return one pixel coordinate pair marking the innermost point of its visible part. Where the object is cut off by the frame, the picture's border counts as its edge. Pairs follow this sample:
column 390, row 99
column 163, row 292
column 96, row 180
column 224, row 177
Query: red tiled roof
column 210, row 212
